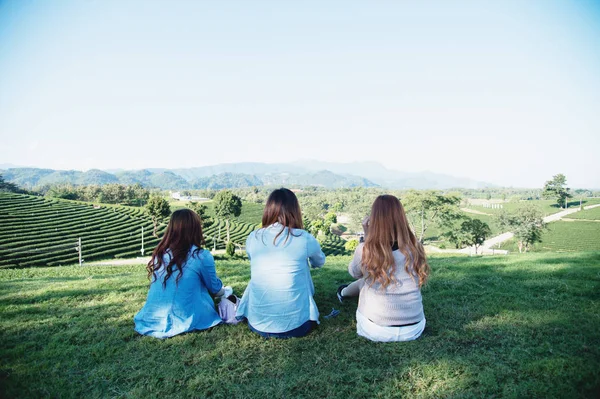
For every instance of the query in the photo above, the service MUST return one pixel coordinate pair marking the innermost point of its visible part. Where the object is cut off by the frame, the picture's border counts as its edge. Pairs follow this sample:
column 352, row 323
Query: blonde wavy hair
column 388, row 225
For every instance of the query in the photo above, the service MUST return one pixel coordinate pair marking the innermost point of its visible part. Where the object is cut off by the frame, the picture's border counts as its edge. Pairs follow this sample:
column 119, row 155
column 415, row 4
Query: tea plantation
column 36, row 231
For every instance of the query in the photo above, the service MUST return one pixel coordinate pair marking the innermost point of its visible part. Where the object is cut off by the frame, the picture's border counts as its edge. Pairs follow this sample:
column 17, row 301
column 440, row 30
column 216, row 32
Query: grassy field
column 588, row 214
column 512, row 326
column 549, row 207
column 564, row 236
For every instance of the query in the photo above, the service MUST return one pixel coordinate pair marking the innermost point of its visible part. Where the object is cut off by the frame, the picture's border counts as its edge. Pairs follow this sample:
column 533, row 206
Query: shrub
column 351, row 245
column 230, row 248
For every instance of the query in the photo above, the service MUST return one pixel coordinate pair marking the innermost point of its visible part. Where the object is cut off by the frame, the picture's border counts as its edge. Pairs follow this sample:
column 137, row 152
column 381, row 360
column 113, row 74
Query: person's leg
column 353, row 289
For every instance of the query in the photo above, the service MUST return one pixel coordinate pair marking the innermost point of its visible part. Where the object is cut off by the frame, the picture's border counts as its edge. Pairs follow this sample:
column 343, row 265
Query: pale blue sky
column 506, row 92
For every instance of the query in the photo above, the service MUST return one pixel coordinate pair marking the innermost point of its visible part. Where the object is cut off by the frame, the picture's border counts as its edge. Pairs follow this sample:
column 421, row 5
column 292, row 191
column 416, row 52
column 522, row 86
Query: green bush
column 230, row 248
column 351, row 245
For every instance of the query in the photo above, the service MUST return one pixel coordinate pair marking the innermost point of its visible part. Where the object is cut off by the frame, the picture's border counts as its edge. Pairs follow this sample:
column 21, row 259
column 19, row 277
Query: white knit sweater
column 399, row 303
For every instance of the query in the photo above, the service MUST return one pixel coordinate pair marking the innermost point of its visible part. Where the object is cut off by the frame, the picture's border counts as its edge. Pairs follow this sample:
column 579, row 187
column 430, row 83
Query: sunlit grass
column 512, row 326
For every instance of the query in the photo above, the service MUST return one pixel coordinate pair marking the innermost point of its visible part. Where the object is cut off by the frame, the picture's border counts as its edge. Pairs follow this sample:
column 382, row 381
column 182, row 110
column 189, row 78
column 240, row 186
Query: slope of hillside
column 36, row 231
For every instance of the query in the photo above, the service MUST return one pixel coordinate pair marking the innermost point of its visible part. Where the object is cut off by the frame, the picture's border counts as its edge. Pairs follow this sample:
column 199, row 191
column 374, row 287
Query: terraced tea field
column 587, row 214
column 36, row 231
column 565, row 236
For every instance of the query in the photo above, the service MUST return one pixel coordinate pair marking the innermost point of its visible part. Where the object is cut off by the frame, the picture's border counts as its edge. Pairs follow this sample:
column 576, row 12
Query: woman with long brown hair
column 278, row 301
column 391, row 267
column 182, row 279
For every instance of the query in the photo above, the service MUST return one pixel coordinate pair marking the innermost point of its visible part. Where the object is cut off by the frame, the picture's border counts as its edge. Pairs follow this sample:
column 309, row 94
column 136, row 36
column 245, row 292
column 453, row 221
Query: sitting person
column 390, row 267
column 278, row 301
column 183, row 278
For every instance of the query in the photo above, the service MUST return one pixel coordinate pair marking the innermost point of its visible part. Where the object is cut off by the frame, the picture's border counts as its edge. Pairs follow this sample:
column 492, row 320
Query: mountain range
column 247, row 174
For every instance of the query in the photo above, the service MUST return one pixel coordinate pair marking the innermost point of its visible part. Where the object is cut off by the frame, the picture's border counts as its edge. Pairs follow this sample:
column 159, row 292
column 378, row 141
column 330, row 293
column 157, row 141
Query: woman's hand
column 225, row 291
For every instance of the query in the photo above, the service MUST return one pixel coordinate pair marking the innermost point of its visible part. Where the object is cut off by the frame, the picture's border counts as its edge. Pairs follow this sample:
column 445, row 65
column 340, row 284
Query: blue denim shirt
column 185, row 306
column 279, row 297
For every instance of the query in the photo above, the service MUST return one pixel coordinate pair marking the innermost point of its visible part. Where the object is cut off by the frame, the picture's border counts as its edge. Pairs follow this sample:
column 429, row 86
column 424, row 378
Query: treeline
column 134, row 195
column 9, row 187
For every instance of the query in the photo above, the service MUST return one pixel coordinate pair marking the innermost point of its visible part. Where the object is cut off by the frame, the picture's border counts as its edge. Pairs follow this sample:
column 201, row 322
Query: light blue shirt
column 185, row 306
column 279, row 297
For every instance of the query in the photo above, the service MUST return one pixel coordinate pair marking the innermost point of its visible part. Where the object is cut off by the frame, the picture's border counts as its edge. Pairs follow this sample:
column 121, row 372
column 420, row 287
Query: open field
column 564, row 236
column 549, row 207
column 588, row 214
column 513, row 326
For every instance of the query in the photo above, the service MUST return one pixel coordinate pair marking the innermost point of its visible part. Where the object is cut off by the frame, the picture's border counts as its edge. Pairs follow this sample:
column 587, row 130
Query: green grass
column 513, row 326
column 588, row 214
column 549, row 207
column 564, row 236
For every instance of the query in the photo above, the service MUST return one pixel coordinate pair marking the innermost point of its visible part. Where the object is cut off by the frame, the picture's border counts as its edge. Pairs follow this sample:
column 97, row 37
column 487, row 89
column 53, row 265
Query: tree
column 9, row 187
column 230, row 248
column 330, row 218
column 351, row 245
column 556, row 189
column 315, row 227
column 63, row 191
column 431, row 207
column 137, row 195
column 471, row 232
column 158, row 208
column 227, row 205
column 202, row 211
column 527, row 224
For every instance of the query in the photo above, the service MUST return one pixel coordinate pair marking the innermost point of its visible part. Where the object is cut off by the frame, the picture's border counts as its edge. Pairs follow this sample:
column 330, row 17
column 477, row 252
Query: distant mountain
column 193, row 178
column 247, row 168
column 385, row 177
column 227, row 180
column 247, row 174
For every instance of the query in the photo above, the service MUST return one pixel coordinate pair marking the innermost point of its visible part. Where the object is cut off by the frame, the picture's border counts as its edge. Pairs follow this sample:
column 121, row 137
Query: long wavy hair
column 387, row 226
column 282, row 207
column 184, row 231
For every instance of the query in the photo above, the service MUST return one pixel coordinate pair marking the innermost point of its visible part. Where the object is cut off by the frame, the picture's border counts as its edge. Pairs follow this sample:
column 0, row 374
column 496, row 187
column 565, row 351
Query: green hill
column 497, row 327
column 36, row 231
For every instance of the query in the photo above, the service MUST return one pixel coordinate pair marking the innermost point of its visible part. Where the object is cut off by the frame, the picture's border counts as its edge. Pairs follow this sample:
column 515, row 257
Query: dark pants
column 301, row 331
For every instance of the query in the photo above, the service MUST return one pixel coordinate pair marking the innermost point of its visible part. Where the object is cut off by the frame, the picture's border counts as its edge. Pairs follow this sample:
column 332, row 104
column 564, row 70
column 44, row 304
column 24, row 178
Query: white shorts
column 374, row 332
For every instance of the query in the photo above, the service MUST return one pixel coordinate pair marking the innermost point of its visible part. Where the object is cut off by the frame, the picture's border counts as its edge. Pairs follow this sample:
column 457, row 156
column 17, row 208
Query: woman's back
column 400, row 303
column 279, row 295
column 184, row 305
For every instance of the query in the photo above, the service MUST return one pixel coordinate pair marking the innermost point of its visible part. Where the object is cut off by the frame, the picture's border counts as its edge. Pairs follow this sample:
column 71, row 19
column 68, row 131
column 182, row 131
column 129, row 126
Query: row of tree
column 9, row 187
column 134, row 195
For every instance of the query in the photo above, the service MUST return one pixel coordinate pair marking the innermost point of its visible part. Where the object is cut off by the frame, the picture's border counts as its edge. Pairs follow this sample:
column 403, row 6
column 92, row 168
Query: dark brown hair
column 282, row 207
column 388, row 225
column 183, row 232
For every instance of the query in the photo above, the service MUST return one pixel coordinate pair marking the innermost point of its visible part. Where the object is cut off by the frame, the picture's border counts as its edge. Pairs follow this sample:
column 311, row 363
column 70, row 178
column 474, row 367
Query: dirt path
column 474, row 211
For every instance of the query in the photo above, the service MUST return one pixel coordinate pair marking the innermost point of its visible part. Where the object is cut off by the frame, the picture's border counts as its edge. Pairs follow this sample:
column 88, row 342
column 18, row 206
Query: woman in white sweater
column 390, row 268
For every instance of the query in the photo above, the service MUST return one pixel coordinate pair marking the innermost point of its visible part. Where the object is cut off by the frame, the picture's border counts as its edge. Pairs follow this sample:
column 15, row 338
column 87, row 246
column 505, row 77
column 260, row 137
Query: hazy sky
column 506, row 92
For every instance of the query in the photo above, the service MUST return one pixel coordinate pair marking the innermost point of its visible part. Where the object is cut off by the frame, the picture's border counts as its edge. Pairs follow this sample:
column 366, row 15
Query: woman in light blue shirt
column 278, row 301
column 183, row 278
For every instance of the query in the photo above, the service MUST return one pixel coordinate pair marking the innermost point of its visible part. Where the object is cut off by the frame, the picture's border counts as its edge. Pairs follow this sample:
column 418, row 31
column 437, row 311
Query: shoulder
column 200, row 254
column 301, row 233
column 253, row 234
column 359, row 248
